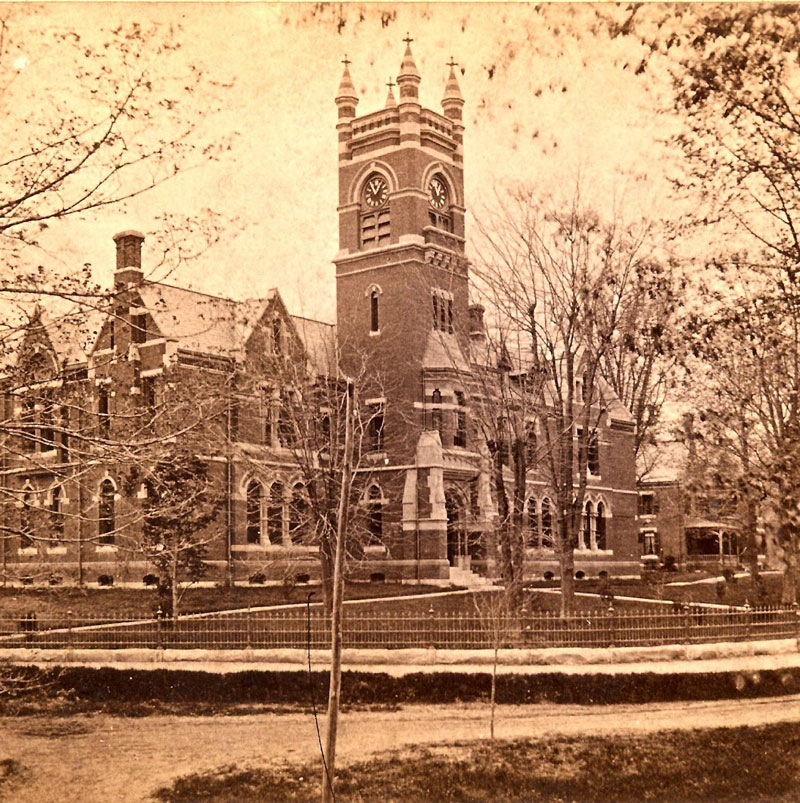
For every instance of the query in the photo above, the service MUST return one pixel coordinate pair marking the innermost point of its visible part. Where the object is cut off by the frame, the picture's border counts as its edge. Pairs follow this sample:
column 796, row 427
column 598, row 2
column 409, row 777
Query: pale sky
column 541, row 107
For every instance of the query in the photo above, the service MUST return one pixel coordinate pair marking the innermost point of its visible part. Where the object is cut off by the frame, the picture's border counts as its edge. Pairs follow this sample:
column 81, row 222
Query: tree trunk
column 566, row 562
column 332, row 724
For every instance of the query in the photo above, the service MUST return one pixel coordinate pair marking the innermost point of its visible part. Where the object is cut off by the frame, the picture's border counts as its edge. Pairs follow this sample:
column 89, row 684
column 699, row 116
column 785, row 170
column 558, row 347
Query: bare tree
column 559, row 282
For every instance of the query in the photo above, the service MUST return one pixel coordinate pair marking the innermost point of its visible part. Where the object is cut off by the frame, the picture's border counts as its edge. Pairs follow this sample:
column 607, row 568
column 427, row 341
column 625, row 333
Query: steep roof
column 201, row 322
column 319, row 341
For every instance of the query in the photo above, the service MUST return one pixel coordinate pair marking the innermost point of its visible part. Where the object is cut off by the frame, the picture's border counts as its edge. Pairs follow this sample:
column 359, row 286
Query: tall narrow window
column 534, row 537
column 287, row 433
column 298, row 515
column 588, row 527
column 28, row 425
column 375, row 516
column 63, row 447
column 105, row 513
column 531, row 446
column 277, row 336
column 104, row 419
column 436, row 411
column 547, row 523
column 593, row 454
column 375, row 428
column 253, row 512
column 460, row 435
column 149, row 394
column 435, row 300
column 138, row 327
column 450, row 315
column 374, row 321
column 47, row 435
column 275, row 513
column 26, row 523
column 56, row 515
column 601, row 526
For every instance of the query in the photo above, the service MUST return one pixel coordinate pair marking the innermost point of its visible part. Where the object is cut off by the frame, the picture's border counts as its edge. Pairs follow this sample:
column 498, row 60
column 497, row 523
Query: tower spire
column 453, row 101
column 409, row 76
column 390, row 100
column 347, row 92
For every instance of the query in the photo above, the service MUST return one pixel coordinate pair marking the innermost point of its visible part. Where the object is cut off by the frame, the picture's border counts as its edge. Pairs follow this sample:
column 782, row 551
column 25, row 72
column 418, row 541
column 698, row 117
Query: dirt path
column 102, row 758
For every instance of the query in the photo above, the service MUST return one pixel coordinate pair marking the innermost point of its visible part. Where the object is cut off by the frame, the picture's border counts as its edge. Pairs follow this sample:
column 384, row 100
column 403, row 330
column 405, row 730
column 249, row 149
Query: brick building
column 405, row 326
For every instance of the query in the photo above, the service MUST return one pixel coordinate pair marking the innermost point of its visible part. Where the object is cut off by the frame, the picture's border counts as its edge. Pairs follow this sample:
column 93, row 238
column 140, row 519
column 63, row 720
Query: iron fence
column 299, row 628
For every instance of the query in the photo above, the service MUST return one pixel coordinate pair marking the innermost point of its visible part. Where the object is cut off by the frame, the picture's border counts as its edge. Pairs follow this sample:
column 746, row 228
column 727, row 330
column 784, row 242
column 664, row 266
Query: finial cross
column 452, row 62
column 408, row 40
column 346, row 60
column 391, row 83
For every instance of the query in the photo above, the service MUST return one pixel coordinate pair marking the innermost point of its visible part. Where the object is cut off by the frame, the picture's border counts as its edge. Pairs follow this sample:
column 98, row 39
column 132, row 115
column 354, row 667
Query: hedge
column 102, row 685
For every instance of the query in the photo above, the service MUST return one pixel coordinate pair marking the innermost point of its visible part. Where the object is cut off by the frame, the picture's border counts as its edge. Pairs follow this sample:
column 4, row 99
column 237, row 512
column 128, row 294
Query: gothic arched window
column 253, row 512
column 275, row 514
column 105, row 513
column 298, row 514
column 547, row 523
column 600, row 526
column 534, row 538
column 374, row 320
column 460, row 434
column 56, row 514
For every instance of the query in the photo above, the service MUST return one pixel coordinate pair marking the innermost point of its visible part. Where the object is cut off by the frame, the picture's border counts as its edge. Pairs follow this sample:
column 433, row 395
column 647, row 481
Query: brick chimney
column 129, row 258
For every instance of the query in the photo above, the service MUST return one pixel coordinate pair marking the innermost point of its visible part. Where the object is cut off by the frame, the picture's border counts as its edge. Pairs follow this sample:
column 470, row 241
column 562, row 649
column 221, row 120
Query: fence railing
column 299, row 628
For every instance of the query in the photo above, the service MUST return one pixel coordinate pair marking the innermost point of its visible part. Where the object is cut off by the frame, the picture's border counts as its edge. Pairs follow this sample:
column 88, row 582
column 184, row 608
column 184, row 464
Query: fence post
column 431, row 627
column 248, row 643
column 796, row 610
column 611, row 626
column 687, row 624
column 159, row 625
column 748, row 619
column 69, row 628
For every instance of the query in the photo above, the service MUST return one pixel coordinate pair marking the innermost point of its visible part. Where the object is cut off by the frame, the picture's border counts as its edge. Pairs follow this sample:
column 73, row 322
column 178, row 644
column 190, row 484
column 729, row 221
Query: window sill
column 56, row 550
column 375, row 333
column 375, row 550
column 27, row 550
column 377, row 457
column 107, row 548
column 588, row 553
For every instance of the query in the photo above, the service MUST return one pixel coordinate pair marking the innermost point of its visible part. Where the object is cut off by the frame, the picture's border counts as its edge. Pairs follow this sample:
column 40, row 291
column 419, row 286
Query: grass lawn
column 722, row 764
column 136, row 602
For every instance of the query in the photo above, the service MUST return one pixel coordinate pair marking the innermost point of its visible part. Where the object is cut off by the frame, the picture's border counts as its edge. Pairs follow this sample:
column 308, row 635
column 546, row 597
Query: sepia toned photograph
column 399, row 402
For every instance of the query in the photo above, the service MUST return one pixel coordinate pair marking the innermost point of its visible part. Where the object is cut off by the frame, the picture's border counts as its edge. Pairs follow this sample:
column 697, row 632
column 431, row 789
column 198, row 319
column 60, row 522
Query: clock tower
column 402, row 307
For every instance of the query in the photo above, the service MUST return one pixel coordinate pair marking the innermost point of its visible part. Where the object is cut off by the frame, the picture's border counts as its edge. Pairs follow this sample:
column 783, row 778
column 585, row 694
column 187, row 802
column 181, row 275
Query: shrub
column 548, row 576
column 302, row 578
column 150, row 580
column 55, row 579
column 105, row 580
column 579, row 575
column 377, row 577
column 257, row 579
column 670, row 564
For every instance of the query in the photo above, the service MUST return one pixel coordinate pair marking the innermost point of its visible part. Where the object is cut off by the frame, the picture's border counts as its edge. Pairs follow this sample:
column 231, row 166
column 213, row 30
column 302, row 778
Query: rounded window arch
column 253, row 511
column 436, row 410
column 374, row 293
column 601, row 525
column 106, row 512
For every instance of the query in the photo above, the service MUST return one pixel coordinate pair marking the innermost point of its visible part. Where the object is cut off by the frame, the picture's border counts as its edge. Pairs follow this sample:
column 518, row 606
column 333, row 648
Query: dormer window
column 375, row 218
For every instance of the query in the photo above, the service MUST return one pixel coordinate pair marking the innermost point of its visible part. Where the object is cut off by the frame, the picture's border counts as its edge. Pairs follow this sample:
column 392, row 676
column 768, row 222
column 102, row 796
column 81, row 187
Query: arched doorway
column 457, row 553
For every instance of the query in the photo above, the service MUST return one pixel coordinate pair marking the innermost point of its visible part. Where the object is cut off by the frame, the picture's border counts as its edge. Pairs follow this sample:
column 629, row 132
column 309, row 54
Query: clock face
column 376, row 192
column 438, row 193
